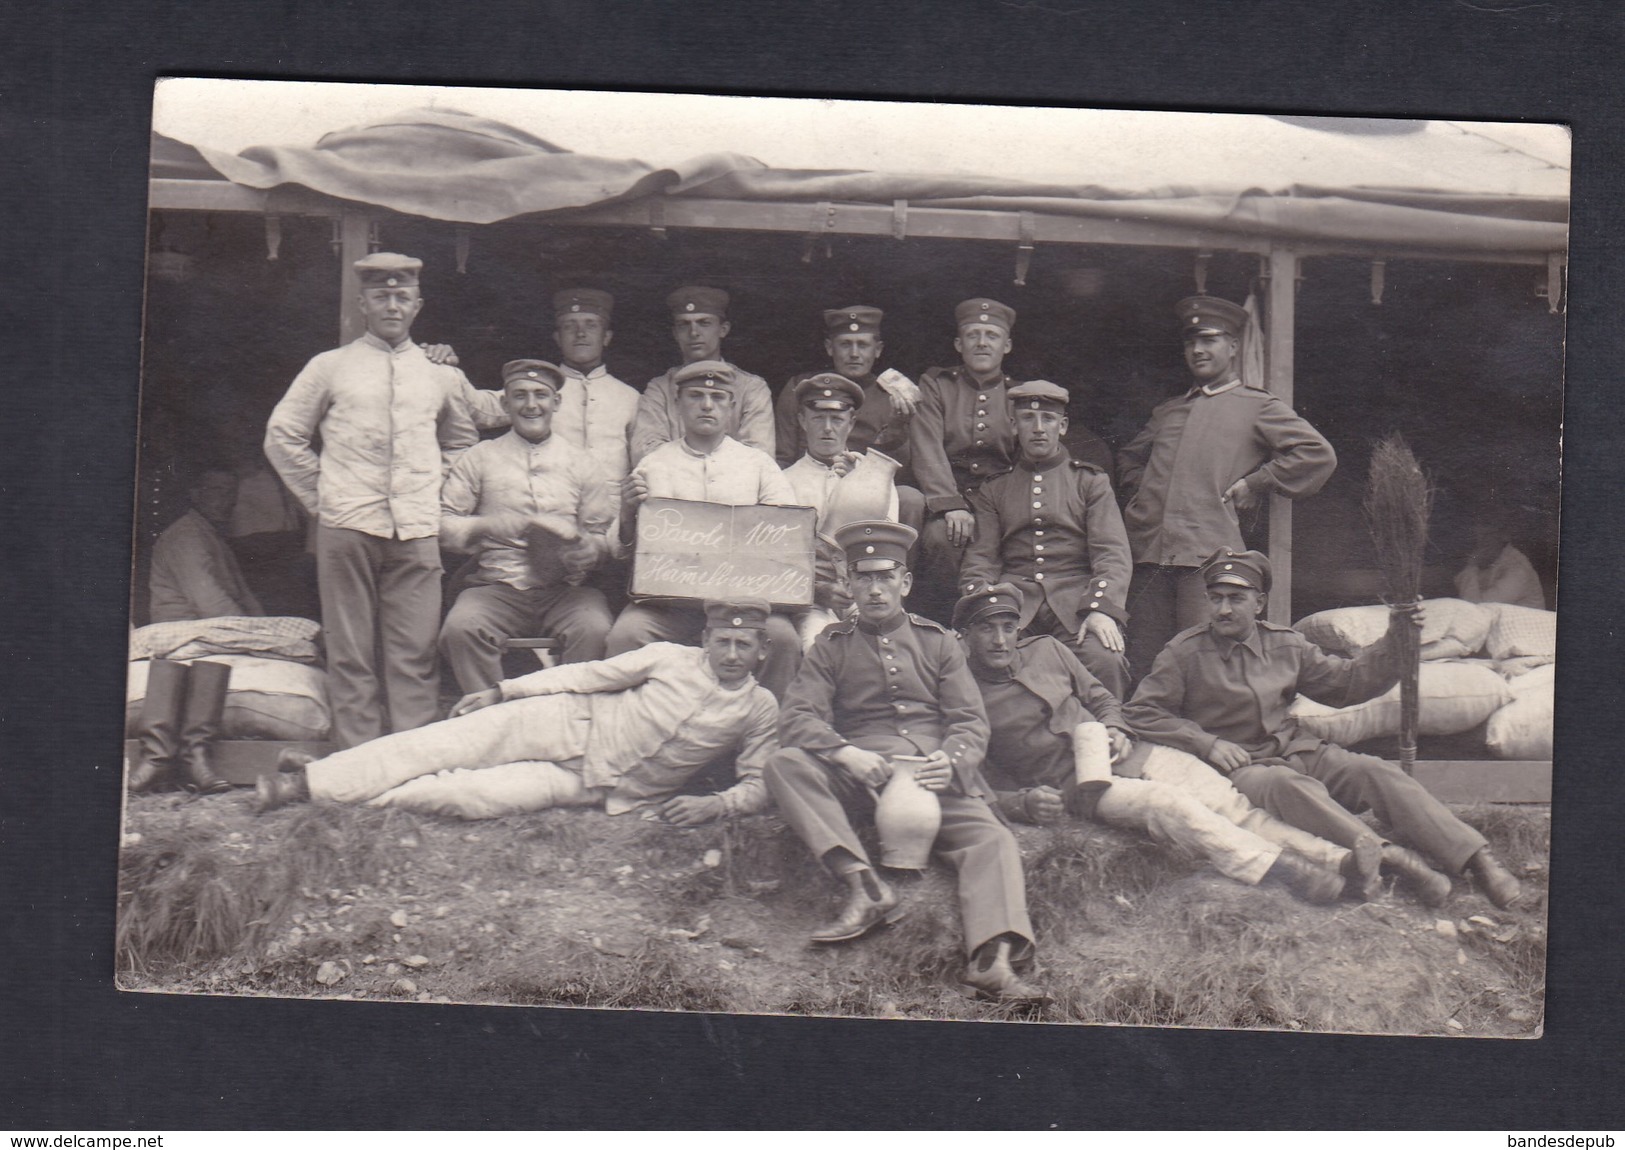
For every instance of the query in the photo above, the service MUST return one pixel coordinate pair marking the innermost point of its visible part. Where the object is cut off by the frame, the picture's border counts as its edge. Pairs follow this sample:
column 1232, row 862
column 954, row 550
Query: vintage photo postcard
column 845, row 558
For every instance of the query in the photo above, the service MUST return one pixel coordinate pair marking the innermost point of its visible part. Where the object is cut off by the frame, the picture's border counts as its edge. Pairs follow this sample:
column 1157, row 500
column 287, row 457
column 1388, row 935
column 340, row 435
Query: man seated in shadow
column 195, row 574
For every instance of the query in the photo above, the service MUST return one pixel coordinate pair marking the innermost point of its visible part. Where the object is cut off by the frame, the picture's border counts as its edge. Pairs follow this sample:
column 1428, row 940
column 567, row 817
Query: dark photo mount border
column 75, row 105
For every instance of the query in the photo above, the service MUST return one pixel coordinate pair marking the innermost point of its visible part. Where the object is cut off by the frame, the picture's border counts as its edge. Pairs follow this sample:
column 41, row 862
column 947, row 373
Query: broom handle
column 1410, row 671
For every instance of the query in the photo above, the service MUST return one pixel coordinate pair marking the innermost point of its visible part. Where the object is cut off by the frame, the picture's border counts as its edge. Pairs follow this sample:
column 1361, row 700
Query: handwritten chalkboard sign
column 692, row 550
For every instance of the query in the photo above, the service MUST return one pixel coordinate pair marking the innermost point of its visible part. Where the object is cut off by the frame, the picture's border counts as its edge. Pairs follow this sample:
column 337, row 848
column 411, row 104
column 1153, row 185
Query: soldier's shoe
column 870, row 904
column 291, row 759
column 273, row 790
column 1309, row 881
column 1431, row 887
column 1497, row 883
column 991, row 976
column 1362, row 869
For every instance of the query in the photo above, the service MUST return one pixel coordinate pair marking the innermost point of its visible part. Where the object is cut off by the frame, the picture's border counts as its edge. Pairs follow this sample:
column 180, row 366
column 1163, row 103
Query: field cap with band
column 984, row 310
column 1210, row 315
column 388, row 269
column 583, row 301
column 538, row 370
column 999, row 599
column 828, row 391
column 698, row 301
column 857, row 318
column 1237, row 568
column 711, row 373
column 875, row 544
column 1038, row 395
column 744, row 612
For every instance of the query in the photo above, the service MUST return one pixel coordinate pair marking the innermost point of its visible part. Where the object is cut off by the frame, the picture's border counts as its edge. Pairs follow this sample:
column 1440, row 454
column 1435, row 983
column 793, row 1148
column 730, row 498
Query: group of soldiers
column 1041, row 611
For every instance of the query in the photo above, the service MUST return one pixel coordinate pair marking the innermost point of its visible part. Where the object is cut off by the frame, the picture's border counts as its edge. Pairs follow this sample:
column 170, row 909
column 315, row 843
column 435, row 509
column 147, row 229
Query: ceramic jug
column 863, row 493
column 907, row 816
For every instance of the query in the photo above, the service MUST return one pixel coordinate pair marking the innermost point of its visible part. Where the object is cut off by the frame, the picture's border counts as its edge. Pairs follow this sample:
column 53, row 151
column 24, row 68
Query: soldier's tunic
column 902, row 689
column 658, row 421
column 1032, row 709
column 1054, row 531
column 875, row 424
column 1203, row 688
column 1176, row 471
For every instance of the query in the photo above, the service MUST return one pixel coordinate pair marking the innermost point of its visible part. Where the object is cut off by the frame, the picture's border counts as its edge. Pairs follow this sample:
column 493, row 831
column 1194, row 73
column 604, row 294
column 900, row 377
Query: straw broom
column 1398, row 499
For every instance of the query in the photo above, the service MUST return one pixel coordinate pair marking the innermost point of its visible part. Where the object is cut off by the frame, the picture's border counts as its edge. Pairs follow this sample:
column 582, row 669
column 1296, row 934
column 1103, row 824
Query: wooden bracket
column 1379, row 280
column 657, row 218
column 1024, row 249
column 1554, row 282
column 899, row 219
column 1203, row 259
column 818, row 228
column 273, row 236
column 463, row 240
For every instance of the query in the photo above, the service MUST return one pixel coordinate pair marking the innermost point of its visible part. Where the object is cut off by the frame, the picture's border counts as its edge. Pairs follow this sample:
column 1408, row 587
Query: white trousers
column 1181, row 800
column 511, row 758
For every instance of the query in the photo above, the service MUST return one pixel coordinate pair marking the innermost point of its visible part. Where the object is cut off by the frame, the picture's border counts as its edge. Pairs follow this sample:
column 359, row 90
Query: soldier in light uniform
column 1201, row 460
column 499, row 494
column 1051, row 527
column 1221, row 692
column 596, row 410
column 890, row 683
column 885, row 406
column 699, row 318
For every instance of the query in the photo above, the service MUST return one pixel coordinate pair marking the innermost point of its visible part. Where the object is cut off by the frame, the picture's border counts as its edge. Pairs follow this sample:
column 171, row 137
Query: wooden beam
column 203, row 196
column 1279, row 337
column 355, row 232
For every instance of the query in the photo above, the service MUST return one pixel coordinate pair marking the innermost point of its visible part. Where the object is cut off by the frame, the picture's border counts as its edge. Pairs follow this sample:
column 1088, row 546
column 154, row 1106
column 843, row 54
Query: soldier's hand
column 477, row 701
column 1228, row 757
column 867, row 767
column 1121, row 744
column 1239, row 494
column 1044, row 805
column 843, row 463
column 635, row 488
column 692, row 810
column 936, row 772
column 506, row 525
column 1104, row 628
column 578, row 557
column 440, row 353
column 1415, row 611
column 961, row 525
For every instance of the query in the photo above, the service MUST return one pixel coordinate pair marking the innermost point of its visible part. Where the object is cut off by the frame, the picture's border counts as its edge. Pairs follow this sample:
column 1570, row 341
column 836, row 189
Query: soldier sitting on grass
column 626, row 733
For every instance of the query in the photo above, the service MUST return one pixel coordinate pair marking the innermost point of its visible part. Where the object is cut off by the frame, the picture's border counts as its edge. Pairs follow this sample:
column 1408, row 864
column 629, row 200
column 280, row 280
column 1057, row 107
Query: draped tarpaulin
column 447, row 165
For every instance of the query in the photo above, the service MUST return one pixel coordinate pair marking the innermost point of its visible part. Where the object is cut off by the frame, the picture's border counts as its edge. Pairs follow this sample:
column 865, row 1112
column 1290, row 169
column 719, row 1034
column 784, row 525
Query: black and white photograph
column 757, row 555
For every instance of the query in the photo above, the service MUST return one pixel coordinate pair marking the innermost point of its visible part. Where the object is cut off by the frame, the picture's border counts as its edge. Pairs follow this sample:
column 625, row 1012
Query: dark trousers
column 1110, row 667
column 936, row 572
column 486, row 615
column 1162, row 602
column 820, row 801
column 380, row 616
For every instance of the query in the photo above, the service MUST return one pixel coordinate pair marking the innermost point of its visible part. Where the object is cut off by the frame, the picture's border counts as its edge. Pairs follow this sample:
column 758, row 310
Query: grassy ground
column 576, row 908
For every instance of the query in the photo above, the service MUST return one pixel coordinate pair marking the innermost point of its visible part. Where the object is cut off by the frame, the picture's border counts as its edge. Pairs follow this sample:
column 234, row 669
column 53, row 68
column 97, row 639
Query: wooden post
column 1278, row 341
column 355, row 233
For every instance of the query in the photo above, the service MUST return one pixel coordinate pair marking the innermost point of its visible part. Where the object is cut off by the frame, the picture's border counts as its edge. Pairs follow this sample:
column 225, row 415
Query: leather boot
column 870, row 903
column 1494, row 879
column 1431, row 887
column 275, row 789
column 1309, row 881
column 158, row 730
column 991, row 976
column 200, row 725
column 1362, row 869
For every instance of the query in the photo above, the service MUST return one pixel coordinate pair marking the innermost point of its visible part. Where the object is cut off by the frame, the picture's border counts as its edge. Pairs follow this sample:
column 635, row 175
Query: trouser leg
column 551, row 728
column 783, row 655
column 1151, row 615
column 579, row 618
column 347, row 581
column 984, row 854
column 408, row 625
column 817, row 801
column 1191, row 608
column 1110, row 667
column 1208, row 787
column 936, row 576
column 1300, row 800
column 1413, row 816
column 490, row 792
column 1170, row 815
column 471, row 640
column 910, row 507
column 639, row 625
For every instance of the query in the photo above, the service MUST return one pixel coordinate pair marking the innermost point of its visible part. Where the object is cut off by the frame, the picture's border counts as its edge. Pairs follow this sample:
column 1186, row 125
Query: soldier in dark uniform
column 1039, row 699
column 889, row 683
column 1051, row 527
column 881, row 420
column 1221, row 692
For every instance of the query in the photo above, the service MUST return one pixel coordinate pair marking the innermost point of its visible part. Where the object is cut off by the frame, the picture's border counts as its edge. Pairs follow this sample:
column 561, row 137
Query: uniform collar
column 1214, row 389
column 1227, row 647
column 576, row 373
column 1059, row 459
column 406, row 345
column 692, row 454
column 885, row 628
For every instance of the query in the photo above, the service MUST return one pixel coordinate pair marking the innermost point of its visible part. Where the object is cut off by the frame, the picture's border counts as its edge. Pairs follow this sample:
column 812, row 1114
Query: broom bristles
column 1398, row 500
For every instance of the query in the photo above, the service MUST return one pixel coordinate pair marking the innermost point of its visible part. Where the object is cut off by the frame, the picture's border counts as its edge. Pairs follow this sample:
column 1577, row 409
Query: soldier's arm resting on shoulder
column 455, row 425
column 756, row 419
